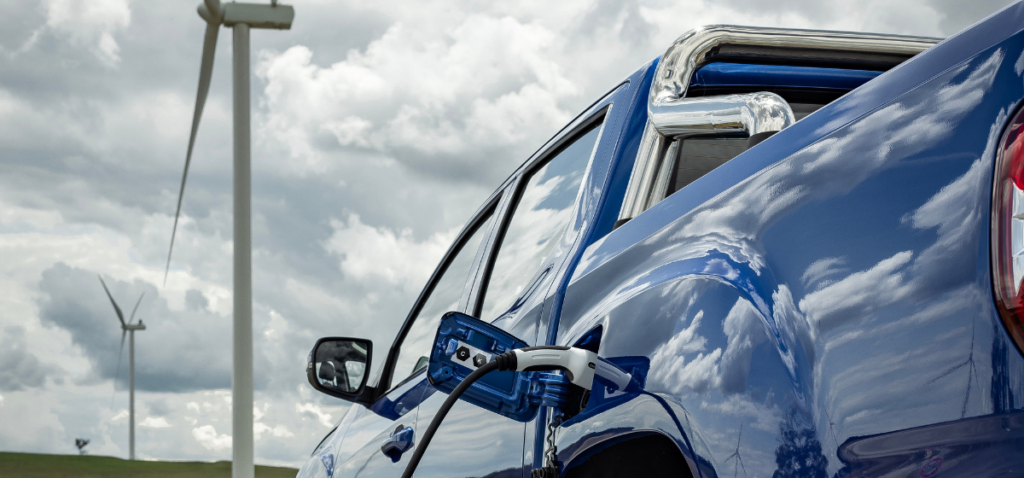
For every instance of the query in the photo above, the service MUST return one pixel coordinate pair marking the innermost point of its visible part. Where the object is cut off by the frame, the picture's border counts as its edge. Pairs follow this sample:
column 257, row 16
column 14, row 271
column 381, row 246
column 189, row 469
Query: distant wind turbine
column 127, row 328
column 736, row 456
column 81, row 443
column 972, row 372
column 241, row 17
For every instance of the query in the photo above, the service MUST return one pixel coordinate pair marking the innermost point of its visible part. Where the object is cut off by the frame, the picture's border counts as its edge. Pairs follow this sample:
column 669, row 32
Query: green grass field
column 30, row 465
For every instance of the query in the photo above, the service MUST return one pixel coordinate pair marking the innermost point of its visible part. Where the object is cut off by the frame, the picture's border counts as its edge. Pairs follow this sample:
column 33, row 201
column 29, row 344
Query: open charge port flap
column 464, row 343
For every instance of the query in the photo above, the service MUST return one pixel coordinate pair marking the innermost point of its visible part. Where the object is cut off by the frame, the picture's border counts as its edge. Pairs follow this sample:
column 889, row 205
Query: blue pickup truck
column 808, row 246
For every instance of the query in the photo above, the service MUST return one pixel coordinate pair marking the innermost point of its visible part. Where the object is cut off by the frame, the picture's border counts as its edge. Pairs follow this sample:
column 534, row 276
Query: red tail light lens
column 1008, row 230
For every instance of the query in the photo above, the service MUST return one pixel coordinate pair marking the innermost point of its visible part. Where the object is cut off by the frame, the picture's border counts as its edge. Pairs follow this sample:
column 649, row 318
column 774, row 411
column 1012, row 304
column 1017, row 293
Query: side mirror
column 338, row 366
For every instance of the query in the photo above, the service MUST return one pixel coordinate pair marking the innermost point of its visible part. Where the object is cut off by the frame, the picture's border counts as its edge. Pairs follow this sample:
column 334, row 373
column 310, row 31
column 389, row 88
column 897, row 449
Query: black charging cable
column 580, row 366
column 505, row 361
column 441, row 412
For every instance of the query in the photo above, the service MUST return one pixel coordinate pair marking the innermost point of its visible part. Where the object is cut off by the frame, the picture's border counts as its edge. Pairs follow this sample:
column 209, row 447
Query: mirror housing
column 339, row 367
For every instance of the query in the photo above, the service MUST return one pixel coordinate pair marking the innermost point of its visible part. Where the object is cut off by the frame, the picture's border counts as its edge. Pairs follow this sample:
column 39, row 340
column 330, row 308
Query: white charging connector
column 580, row 365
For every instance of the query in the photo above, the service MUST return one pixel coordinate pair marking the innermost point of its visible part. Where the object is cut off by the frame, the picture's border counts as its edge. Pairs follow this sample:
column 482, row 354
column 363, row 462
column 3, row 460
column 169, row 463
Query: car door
column 538, row 230
column 377, row 440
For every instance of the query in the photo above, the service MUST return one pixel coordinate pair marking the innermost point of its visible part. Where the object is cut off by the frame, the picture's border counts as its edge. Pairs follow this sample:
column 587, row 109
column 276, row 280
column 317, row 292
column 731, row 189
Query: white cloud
column 154, row 422
column 858, row 293
column 767, row 417
column 745, row 331
column 483, row 85
column 91, row 24
column 369, row 252
column 279, row 431
column 323, row 417
column 671, row 367
column 207, row 436
column 821, row 269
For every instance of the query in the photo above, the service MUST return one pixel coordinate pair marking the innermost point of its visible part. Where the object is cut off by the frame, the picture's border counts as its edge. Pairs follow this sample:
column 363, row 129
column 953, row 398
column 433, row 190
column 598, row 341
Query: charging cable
column 580, row 367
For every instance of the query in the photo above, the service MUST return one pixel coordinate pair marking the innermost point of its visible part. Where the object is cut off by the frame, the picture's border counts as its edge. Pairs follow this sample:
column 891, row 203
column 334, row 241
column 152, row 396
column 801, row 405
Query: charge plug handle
column 581, row 366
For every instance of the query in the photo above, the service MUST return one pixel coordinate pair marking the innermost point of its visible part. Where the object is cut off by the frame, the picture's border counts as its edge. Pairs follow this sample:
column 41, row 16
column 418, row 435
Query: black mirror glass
column 338, row 366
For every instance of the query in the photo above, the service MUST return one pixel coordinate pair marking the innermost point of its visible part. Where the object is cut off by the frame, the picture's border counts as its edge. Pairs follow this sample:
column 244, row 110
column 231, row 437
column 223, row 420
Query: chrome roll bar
column 671, row 115
column 750, row 113
column 690, row 51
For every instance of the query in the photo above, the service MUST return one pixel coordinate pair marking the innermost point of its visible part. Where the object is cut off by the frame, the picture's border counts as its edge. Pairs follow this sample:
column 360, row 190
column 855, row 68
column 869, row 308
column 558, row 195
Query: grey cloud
column 810, row 9
column 605, row 15
column 158, row 407
column 19, row 21
column 19, row 368
column 195, row 300
column 177, row 352
column 957, row 14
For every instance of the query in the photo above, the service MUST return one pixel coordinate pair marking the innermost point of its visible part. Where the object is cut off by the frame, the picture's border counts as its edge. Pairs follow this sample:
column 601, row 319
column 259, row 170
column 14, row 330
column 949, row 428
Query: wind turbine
column 736, row 456
column 127, row 328
column 241, row 17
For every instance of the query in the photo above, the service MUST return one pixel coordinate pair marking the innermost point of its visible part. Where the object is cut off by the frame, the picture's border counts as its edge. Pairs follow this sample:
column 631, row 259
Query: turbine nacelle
column 256, row 15
column 136, row 326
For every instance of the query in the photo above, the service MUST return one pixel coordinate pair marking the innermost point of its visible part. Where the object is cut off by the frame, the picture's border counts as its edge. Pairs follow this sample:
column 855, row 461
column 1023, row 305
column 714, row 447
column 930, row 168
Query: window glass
column 414, row 352
column 698, row 156
column 541, row 215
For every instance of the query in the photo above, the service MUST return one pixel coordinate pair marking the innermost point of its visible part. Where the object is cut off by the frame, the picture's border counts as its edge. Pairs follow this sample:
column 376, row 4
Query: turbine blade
column 120, row 352
column 205, row 71
column 132, row 317
column 117, row 309
column 214, row 7
column 950, row 370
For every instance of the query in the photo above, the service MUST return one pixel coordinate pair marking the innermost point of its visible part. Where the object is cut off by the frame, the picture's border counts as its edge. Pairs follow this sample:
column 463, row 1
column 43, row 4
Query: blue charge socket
column 462, row 345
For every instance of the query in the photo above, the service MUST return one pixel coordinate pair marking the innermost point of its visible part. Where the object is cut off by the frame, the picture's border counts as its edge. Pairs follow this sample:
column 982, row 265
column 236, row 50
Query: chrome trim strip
column 671, row 115
column 644, row 169
column 668, row 167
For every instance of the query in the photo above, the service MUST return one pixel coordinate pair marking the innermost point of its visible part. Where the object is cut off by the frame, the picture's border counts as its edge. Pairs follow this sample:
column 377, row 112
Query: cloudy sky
column 378, row 128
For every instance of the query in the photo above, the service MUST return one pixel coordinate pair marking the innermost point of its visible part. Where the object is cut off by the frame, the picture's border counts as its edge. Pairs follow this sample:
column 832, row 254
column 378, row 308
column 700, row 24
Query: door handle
column 401, row 440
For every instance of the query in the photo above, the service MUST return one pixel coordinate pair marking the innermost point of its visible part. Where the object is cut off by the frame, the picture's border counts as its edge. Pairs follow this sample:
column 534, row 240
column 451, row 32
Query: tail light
column 1008, row 230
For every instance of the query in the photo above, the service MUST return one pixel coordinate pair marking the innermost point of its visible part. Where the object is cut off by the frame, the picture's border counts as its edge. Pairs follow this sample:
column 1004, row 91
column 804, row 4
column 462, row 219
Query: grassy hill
column 30, row 465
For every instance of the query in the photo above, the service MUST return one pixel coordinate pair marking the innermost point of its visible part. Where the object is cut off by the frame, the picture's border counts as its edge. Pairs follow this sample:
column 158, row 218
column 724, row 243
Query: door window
column 699, row 156
column 540, row 218
column 414, row 351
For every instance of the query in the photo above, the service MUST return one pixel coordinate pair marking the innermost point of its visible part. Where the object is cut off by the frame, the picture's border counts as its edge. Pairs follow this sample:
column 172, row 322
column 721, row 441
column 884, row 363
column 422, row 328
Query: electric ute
column 800, row 253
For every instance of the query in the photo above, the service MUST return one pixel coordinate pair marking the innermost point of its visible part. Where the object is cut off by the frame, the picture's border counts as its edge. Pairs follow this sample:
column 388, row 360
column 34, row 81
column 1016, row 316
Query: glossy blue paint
column 778, row 76
column 820, row 305
column 399, row 442
column 405, row 398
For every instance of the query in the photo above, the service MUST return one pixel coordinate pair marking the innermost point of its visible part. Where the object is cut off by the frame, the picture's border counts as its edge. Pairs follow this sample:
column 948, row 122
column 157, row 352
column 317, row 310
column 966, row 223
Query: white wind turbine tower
column 241, row 17
column 127, row 328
